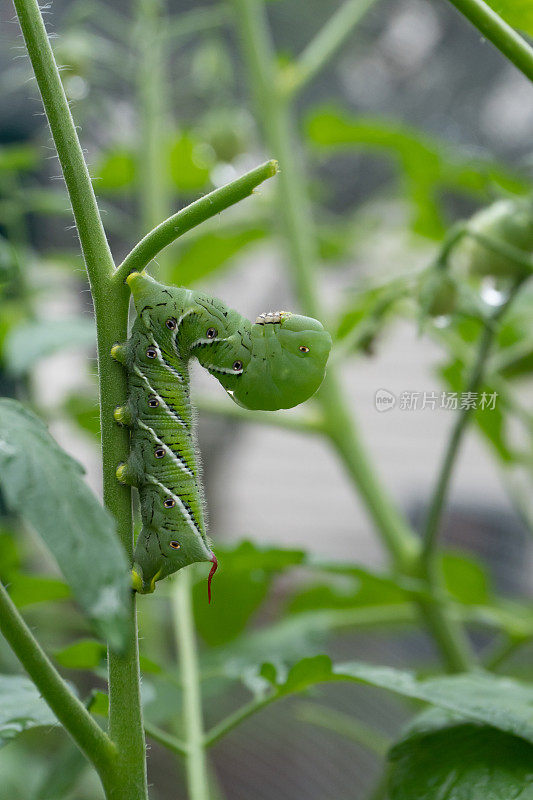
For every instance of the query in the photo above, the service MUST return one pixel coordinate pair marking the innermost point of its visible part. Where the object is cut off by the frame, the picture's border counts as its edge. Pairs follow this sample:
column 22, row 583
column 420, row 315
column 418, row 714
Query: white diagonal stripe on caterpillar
column 179, row 463
column 162, row 403
column 224, row 370
column 164, row 363
column 179, row 502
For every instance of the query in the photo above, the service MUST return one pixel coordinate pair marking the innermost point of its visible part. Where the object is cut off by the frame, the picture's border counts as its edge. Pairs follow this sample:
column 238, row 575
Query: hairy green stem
column 496, row 30
column 110, row 305
column 71, row 713
column 296, row 216
column 328, row 41
column 197, row 774
column 186, row 219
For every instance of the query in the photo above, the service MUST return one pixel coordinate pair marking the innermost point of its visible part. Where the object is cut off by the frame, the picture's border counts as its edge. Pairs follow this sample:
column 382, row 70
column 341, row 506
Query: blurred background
column 415, row 124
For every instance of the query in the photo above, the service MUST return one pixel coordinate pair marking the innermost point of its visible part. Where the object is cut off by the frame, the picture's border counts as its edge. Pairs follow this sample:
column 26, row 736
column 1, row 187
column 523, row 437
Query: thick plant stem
column 196, row 763
column 110, row 305
column 496, row 30
column 154, row 199
column 72, row 714
column 295, row 213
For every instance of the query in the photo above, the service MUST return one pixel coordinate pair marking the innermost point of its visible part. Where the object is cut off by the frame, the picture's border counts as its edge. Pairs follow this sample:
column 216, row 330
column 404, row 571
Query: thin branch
column 194, row 214
column 231, row 721
column 431, row 528
column 328, row 42
column 502, row 651
column 346, row 726
column 166, row 739
column 288, row 421
column 71, row 713
column 502, row 36
column 196, row 762
column 198, row 20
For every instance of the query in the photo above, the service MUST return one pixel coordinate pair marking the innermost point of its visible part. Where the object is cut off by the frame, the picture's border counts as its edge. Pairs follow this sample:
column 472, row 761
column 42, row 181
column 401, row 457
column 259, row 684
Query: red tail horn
column 210, row 578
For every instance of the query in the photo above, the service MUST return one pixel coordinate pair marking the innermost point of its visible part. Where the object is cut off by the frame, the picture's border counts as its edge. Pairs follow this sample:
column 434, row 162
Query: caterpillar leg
column 127, row 474
column 140, row 584
column 123, row 415
column 120, row 353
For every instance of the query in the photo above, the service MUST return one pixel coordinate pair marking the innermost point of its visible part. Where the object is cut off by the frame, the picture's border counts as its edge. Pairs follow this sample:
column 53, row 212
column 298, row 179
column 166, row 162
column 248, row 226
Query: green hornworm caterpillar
column 275, row 363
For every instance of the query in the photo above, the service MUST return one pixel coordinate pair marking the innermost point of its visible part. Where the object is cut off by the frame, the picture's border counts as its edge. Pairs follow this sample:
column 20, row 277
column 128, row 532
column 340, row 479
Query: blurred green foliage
column 271, row 605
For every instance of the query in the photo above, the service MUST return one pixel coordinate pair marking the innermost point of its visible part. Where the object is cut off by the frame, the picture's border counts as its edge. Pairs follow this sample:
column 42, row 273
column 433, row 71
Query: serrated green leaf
column 461, row 762
column 21, row 707
column 44, row 485
column 84, row 654
column 27, row 343
column 27, row 590
column 502, row 703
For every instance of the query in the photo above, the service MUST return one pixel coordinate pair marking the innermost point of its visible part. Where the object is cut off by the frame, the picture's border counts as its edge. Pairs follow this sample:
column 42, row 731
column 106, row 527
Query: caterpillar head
column 284, row 366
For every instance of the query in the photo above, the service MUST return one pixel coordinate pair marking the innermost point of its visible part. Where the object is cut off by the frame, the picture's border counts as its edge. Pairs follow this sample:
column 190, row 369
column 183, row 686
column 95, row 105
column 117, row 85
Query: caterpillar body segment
column 277, row 362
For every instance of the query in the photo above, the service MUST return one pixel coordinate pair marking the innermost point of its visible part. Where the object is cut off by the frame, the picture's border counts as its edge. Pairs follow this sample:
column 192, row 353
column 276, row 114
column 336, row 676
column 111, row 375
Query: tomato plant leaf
column 459, row 761
column 44, row 485
column 21, row 707
column 502, row 703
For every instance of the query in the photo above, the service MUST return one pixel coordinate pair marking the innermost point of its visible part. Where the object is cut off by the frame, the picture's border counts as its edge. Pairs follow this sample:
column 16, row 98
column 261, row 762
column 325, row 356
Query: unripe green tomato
column 507, row 221
column 438, row 293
